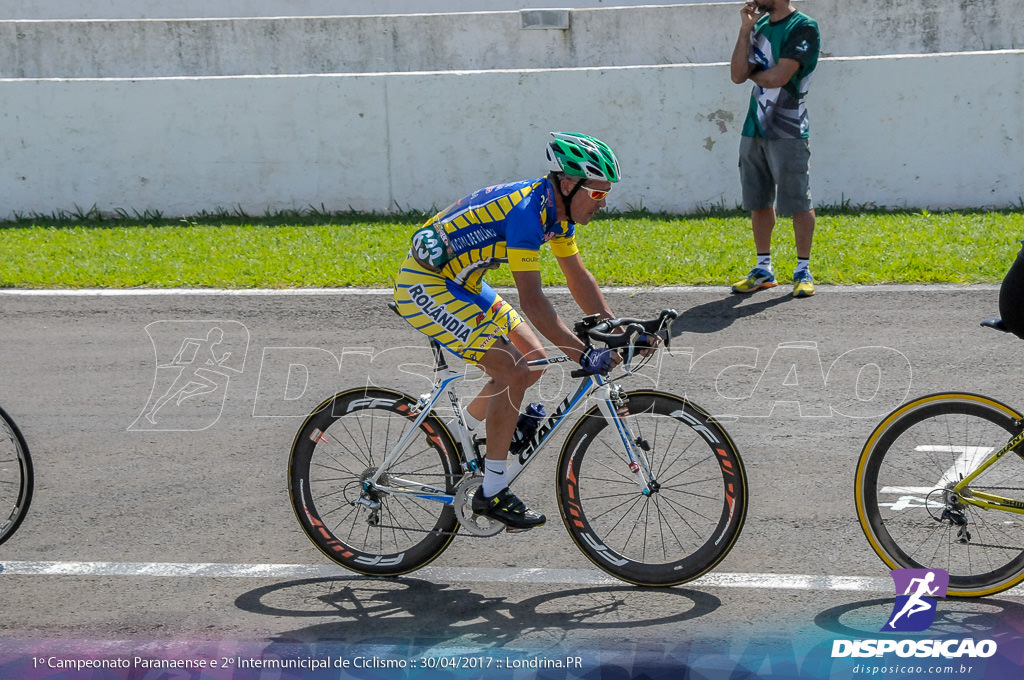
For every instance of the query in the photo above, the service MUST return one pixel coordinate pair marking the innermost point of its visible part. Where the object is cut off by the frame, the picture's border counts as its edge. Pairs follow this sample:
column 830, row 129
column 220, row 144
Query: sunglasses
column 596, row 194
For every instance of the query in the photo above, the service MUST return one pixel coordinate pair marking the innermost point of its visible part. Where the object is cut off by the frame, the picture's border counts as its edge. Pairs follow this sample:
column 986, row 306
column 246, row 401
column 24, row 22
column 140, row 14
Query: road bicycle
column 15, row 477
column 649, row 486
column 938, row 488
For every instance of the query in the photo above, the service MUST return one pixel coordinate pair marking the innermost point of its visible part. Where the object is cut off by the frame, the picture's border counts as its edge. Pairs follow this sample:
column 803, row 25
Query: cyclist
column 440, row 291
column 1011, row 297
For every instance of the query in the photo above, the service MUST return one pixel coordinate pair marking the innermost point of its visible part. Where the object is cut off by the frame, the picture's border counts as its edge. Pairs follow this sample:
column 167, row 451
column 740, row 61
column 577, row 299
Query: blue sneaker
column 756, row 280
column 803, row 284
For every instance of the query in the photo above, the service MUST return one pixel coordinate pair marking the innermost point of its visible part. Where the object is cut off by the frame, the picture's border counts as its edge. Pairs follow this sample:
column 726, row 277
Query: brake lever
column 665, row 327
column 633, row 331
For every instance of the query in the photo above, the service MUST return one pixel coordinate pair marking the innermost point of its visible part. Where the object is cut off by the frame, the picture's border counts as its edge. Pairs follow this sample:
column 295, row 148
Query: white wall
column 920, row 131
column 148, row 9
column 671, row 34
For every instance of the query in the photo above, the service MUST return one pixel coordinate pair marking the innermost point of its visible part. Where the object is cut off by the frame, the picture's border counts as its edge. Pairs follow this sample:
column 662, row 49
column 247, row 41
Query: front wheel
column 696, row 505
column 391, row 526
column 905, row 503
column 15, row 477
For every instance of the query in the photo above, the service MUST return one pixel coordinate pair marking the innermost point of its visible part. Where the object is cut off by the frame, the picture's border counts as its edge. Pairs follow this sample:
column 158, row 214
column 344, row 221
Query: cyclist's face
column 584, row 206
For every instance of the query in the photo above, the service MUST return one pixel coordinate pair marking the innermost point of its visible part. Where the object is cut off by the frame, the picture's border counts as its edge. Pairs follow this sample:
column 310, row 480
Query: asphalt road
column 165, row 522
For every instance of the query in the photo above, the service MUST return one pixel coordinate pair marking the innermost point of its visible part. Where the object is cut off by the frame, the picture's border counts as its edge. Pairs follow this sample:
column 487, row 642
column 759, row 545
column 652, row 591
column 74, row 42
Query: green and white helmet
column 580, row 155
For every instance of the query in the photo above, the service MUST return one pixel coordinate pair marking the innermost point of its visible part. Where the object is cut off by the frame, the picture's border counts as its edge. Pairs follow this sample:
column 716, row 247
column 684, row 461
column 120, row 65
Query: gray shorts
column 769, row 163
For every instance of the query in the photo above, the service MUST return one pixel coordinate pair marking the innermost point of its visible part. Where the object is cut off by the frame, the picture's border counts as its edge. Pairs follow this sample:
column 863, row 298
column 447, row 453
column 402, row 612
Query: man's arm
column 542, row 314
column 802, row 45
column 583, row 286
column 740, row 66
column 777, row 75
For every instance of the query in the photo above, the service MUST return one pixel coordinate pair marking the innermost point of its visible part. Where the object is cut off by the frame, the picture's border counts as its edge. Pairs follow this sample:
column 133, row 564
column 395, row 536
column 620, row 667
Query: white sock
column 765, row 262
column 802, row 265
column 494, row 476
column 471, row 422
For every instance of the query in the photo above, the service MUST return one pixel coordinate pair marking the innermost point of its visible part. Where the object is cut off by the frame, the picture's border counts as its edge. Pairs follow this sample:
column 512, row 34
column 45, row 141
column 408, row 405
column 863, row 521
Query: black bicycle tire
column 895, row 553
column 433, row 540
column 717, row 454
column 17, row 514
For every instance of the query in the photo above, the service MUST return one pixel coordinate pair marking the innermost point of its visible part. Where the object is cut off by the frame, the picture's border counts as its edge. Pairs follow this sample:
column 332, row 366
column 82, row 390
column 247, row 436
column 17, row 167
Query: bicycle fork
column 614, row 406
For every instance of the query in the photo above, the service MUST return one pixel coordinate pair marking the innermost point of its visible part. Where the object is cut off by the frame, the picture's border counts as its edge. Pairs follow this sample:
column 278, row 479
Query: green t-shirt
column 780, row 113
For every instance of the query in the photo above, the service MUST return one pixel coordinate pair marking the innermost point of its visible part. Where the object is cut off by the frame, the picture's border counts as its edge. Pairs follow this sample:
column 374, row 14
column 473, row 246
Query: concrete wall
column 670, row 34
column 921, row 131
column 148, row 9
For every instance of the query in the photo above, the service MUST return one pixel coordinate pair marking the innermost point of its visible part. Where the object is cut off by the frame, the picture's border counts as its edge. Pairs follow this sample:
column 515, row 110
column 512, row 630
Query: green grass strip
column 637, row 249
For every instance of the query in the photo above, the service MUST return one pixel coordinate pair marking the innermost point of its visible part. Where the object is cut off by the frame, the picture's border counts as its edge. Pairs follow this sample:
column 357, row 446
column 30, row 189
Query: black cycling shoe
column 507, row 509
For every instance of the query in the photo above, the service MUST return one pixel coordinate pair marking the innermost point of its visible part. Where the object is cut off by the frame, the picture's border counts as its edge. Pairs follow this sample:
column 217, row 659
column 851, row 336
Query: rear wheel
column 16, row 479
column 359, row 523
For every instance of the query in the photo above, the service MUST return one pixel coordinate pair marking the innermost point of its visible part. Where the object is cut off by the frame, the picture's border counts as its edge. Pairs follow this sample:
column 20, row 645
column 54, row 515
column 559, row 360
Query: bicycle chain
column 429, row 531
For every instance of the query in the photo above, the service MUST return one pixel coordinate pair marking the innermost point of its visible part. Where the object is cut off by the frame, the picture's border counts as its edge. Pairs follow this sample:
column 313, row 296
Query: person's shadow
column 717, row 315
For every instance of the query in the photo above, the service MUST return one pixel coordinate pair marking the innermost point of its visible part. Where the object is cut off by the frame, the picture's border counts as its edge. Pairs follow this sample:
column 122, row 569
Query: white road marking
column 440, row 574
column 164, row 292
column 970, row 458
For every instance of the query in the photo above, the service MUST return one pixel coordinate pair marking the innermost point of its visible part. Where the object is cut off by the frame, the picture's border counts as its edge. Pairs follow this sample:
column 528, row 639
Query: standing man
column 777, row 49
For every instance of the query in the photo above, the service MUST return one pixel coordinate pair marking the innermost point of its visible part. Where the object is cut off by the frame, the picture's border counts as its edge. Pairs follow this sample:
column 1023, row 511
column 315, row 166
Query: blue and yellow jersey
column 503, row 223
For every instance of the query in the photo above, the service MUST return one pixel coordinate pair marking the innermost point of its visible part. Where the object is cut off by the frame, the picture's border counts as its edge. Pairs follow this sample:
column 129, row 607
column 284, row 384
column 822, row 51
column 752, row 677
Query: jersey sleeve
column 524, row 235
column 802, row 44
column 564, row 245
column 522, row 260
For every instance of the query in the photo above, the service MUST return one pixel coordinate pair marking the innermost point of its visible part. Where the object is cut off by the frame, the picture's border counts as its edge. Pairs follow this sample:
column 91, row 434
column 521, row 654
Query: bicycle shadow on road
column 986, row 617
column 718, row 315
column 423, row 614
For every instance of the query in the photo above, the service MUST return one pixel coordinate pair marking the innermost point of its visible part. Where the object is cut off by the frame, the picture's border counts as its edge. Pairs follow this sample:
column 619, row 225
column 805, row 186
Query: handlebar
column 592, row 328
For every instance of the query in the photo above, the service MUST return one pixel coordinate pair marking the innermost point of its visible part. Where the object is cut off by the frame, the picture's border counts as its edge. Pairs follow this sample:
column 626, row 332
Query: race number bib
column 429, row 250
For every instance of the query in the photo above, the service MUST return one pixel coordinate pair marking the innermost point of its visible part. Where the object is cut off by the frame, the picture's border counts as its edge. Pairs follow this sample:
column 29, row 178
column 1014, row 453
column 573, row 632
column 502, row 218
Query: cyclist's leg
column 1011, row 292
column 475, row 325
column 503, row 395
column 526, row 341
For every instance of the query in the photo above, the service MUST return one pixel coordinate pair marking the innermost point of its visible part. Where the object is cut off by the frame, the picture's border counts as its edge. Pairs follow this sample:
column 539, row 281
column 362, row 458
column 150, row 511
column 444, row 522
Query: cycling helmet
column 579, row 155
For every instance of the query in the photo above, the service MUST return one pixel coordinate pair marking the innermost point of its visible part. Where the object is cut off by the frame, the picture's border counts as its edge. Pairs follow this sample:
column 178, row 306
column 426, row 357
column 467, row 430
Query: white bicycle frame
column 445, row 377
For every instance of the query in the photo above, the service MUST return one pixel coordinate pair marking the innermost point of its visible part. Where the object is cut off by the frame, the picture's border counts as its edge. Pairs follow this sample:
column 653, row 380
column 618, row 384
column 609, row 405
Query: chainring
column 477, row 525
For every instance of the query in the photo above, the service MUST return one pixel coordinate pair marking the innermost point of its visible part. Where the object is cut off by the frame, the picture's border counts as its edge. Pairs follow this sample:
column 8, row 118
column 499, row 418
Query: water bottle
column 526, row 427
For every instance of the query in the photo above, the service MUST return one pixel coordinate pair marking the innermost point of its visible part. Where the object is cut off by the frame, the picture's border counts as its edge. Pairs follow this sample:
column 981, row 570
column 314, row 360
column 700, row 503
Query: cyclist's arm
column 583, row 286
column 542, row 314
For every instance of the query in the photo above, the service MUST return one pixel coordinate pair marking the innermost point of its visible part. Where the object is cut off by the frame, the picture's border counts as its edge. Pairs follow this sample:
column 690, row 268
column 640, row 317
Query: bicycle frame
column 604, row 392
column 986, row 500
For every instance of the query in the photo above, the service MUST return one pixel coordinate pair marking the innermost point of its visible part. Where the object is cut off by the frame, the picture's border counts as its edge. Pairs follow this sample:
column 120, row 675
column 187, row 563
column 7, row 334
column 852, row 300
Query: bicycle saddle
column 996, row 323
